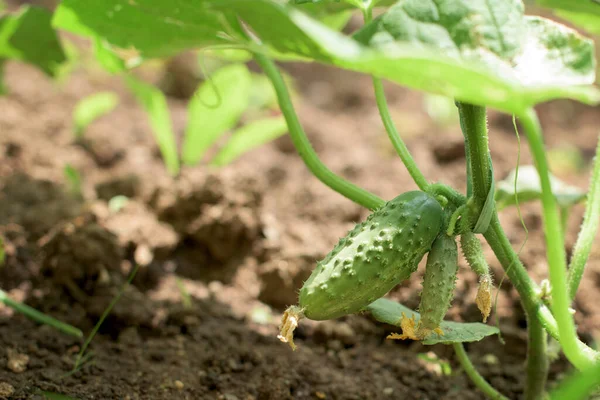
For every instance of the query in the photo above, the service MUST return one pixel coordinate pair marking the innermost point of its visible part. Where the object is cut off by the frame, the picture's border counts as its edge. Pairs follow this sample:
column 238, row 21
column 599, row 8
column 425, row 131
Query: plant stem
column 588, row 231
column 39, row 317
column 555, row 249
column 389, row 125
column 476, row 378
column 474, row 126
column 473, row 123
column 303, row 146
column 395, row 137
column 537, row 359
column 528, row 290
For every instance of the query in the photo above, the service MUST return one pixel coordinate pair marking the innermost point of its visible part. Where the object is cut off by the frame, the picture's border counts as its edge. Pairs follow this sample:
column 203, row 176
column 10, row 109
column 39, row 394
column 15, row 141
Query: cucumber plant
column 483, row 54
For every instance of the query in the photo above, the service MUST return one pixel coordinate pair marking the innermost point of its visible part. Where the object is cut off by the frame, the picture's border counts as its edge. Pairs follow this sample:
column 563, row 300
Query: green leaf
column 155, row 104
column 591, row 7
column 153, row 27
column 107, row 58
column 91, row 108
column 491, row 81
column 454, row 26
column 390, row 312
column 215, row 108
column 28, row 36
column 250, row 136
column 529, row 189
column 554, row 54
column 583, row 13
column 338, row 5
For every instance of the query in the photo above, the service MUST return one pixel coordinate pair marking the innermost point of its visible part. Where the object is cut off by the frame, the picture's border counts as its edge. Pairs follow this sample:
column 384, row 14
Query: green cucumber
column 438, row 284
column 473, row 252
column 374, row 257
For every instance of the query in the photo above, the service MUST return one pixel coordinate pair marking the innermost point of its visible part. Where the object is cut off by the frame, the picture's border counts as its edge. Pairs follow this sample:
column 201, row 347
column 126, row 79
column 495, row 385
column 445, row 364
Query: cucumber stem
column 588, row 231
column 303, row 146
column 395, row 137
column 555, row 247
column 476, row 378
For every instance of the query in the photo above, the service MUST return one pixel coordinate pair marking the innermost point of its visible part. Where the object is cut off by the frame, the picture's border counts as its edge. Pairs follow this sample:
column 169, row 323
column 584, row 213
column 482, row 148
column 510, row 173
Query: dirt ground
column 240, row 241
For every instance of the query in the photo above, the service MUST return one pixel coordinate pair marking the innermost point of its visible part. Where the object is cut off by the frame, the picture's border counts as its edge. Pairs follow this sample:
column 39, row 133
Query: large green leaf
column 152, row 27
column 390, row 312
column 452, row 26
column 481, row 75
column 215, row 108
column 528, row 188
column 584, row 13
column 249, row 137
column 28, row 36
column 154, row 103
column 491, row 81
column 494, row 34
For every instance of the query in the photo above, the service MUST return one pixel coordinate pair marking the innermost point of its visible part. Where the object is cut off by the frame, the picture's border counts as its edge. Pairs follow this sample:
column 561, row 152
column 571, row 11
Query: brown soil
column 241, row 240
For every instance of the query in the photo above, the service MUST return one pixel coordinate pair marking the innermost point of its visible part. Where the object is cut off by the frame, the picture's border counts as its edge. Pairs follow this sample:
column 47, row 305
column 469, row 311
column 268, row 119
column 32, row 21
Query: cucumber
column 373, row 257
column 438, row 284
column 473, row 252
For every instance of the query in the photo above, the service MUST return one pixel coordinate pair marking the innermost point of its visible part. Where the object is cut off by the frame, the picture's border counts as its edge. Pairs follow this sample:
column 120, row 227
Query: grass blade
column 39, row 317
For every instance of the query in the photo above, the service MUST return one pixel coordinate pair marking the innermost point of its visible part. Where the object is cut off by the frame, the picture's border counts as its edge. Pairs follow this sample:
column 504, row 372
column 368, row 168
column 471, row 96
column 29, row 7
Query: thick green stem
column 474, row 126
column 537, row 360
column 473, row 122
column 304, row 147
column 471, row 371
column 588, row 231
column 555, row 249
column 395, row 138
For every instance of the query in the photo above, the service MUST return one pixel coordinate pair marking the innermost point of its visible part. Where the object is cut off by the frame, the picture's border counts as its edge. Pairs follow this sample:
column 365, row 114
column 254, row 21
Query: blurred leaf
column 584, row 13
column 155, row 28
column 107, row 58
column 74, row 179
column 250, row 136
column 262, row 93
column 231, row 55
column 117, row 203
column 529, row 188
column 590, row 23
column 390, row 312
column 28, row 36
column 155, row 104
column 73, row 61
column 441, row 109
column 91, row 108
column 215, row 108
column 565, row 158
column 432, row 358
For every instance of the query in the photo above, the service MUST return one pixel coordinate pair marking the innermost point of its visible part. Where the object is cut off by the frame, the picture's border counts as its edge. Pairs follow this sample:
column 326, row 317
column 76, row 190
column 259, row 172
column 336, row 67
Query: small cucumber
column 374, row 257
column 438, row 284
column 473, row 252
